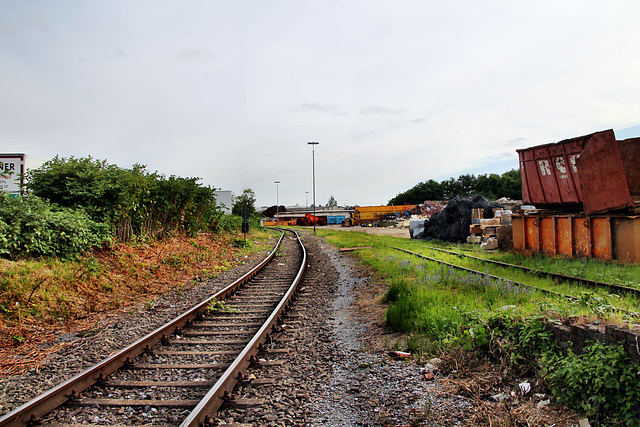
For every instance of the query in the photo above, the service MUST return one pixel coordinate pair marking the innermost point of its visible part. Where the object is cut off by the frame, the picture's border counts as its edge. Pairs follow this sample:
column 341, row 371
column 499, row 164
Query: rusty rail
column 491, row 276
column 557, row 276
column 215, row 397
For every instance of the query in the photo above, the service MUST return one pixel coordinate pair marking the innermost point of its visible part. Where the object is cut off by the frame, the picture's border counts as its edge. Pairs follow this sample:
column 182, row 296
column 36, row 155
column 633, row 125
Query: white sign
column 10, row 174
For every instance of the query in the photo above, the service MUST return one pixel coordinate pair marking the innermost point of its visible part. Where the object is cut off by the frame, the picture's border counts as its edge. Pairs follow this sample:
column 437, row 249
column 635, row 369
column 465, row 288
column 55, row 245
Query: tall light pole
column 313, row 157
column 277, row 183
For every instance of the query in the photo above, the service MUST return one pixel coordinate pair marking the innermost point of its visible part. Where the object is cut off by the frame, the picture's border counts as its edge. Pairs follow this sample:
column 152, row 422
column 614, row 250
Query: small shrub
column 602, row 382
column 17, row 339
column 31, row 227
column 241, row 243
column 216, row 305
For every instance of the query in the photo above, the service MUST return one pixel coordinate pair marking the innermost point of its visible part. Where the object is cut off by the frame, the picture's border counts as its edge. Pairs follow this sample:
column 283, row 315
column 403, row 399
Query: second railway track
column 182, row 372
column 620, row 290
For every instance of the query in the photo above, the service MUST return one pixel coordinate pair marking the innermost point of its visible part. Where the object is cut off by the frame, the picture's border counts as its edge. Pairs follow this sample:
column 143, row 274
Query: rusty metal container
column 606, row 237
column 385, row 209
column 594, row 172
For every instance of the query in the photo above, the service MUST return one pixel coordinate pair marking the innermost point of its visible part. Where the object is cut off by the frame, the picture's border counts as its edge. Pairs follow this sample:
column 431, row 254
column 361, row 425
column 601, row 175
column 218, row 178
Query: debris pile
column 491, row 233
column 271, row 211
column 431, row 207
column 452, row 223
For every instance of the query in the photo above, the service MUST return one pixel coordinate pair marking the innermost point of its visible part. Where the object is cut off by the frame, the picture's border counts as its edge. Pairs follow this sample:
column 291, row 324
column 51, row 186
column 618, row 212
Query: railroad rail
column 186, row 369
column 611, row 287
column 491, row 276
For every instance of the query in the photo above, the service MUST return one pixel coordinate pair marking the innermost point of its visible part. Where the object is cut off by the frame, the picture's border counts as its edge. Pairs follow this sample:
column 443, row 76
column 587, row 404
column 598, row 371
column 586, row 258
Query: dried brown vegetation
column 40, row 299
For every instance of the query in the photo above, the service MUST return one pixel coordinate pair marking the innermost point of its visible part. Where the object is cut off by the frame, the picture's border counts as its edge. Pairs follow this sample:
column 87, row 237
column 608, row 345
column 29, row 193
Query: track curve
column 217, row 338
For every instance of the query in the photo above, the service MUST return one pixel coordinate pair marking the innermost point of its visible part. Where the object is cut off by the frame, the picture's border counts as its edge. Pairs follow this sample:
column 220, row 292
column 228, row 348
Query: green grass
column 437, row 301
column 593, row 269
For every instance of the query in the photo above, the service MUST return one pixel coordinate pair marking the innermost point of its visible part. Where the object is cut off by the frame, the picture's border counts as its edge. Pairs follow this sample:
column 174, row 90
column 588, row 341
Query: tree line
column 492, row 186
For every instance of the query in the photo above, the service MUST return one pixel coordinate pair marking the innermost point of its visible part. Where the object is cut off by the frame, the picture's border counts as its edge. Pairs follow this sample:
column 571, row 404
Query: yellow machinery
column 369, row 214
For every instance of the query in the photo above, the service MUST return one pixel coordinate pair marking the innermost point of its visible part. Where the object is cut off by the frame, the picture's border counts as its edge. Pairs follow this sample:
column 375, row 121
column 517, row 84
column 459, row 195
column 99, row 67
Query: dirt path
column 376, row 231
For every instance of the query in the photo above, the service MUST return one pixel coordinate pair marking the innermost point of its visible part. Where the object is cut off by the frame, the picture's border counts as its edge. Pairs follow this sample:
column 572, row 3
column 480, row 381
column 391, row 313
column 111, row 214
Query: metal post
column 313, row 157
column 277, row 183
column 307, row 194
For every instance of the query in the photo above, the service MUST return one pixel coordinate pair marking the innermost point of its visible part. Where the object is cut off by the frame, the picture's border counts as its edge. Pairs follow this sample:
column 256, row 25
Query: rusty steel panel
column 594, row 172
column 626, row 238
column 548, row 178
column 549, row 174
column 564, row 161
column 602, row 175
column 630, row 153
column 548, row 235
column 602, row 237
column 563, row 236
column 581, row 238
column 517, row 226
column 532, row 235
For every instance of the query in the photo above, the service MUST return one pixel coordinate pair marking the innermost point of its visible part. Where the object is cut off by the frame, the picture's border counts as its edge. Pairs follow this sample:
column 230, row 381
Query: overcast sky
column 395, row 92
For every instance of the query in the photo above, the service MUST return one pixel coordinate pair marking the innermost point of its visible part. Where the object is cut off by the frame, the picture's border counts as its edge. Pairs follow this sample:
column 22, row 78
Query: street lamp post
column 277, row 183
column 307, row 193
column 313, row 157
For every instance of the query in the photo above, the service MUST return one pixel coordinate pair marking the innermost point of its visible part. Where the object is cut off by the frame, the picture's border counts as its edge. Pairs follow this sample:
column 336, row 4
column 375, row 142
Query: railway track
column 611, row 287
column 560, row 277
column 182, row 372
column 491, row 276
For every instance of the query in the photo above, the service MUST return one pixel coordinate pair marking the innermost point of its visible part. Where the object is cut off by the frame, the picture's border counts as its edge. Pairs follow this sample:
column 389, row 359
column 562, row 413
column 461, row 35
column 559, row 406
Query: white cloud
column 396, row 92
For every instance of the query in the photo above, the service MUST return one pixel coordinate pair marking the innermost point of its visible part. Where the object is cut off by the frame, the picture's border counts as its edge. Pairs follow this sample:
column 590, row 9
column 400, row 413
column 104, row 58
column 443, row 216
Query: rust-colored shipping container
column 606, row 237
column 385, row 209
column 594, row 173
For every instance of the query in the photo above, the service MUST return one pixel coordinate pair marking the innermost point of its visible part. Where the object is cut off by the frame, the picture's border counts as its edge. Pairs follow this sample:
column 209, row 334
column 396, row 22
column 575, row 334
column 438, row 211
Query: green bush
column 31, row 227
column 602, row 382
column 133, row 202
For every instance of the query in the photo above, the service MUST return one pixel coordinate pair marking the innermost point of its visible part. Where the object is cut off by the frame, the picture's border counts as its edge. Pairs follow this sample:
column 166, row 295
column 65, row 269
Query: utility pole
column 313, row 157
